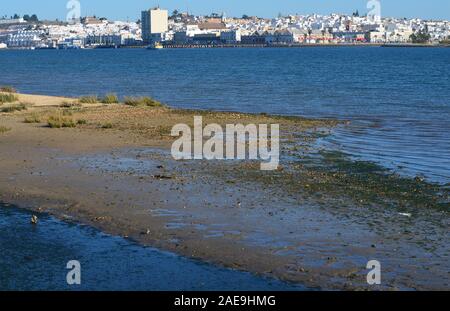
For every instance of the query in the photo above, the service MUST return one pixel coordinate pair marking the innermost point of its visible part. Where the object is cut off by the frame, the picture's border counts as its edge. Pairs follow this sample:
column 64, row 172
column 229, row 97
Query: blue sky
column 123, row 9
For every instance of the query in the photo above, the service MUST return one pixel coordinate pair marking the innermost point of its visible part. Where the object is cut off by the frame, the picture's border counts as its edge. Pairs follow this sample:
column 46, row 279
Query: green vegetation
column 110, row 99
column 107, row 126
column 82, row 122
column 33, row 118
column 58, row 121
column 4, row 129
column 13, row 108
column 92, row 99
column 7, row 89
column 31, row 19
column 420, row 37
column 8, row 98
column 142, row 101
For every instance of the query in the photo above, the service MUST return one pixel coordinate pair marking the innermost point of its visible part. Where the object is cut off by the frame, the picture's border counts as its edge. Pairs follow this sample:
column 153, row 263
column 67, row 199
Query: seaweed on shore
column 334, row 177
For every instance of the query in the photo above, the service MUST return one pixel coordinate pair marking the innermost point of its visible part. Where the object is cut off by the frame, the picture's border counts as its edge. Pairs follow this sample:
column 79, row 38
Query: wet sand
column 298, row 224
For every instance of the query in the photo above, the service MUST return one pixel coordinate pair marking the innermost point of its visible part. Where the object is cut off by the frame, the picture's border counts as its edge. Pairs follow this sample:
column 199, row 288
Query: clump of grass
column 8, row 89
column 110, row 99
column 8, row 98
column 13, row 108
column 34, row 118
column 142, row 101
column 92, row 99
column 82, row 122
column 107, row 126
column 4, row 129
column 67, row 113
column 58, row 121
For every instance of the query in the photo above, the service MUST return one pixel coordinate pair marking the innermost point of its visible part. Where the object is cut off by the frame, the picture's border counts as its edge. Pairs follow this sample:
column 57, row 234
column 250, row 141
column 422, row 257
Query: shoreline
column 121, row 181
column 135, row 267
column 251, row 46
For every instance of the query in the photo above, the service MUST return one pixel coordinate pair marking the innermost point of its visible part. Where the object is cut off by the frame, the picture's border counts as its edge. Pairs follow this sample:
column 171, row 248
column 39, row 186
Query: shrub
column 4, row 129
column 88, row 99
column 59, row 122
column 8, row 89
column 8, row 98
column 110, row 99
column 13, row 108
column 34, row 118
column 82, row 122
column 142, row 101
column 107, row 126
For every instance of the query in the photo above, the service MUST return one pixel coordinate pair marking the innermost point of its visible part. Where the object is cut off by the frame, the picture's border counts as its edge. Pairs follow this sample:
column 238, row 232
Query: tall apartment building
column 154, row 23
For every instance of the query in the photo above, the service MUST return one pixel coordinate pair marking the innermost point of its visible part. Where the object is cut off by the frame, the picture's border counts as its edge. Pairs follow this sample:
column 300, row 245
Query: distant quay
column 223, row 46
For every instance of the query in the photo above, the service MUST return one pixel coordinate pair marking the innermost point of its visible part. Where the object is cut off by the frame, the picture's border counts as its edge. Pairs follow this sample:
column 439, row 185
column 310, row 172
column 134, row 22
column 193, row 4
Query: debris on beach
column 405, row 214
column 146, row 232
column 160, row 177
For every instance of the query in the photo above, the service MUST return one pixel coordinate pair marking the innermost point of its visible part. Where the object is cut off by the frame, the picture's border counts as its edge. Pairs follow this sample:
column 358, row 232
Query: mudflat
column 317, row 220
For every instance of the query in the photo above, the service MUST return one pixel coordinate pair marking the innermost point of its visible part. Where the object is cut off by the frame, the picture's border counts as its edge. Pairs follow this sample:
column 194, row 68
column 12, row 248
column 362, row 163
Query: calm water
column 398, row 98
column 35, row 258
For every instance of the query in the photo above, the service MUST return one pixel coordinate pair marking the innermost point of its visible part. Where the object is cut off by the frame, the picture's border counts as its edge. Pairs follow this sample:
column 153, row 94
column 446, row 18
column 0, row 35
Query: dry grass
column 110, row 99
column 13, row 108
column 91, row 99
column 4, row 129
column 58, row 121
column 33, row 118
column 8, row 98
column 142, row 101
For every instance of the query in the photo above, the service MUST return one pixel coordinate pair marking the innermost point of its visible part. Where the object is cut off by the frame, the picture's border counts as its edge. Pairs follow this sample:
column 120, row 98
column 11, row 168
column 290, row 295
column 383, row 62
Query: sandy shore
column 309, row 222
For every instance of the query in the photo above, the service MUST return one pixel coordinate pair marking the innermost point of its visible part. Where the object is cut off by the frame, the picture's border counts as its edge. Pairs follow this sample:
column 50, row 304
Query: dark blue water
column 397, row 98
column 35, row 257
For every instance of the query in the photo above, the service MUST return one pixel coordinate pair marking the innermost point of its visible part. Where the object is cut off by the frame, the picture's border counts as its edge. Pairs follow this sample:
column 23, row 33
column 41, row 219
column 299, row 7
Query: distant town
column 181, row 29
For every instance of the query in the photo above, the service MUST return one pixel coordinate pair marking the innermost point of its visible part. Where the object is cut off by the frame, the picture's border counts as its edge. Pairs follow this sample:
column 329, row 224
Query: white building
column 12, row 21
column 154, row 23
column 24, row 39
column 230, row 37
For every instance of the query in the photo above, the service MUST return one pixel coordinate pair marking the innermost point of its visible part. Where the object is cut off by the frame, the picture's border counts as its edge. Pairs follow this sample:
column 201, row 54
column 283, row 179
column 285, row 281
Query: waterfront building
column 104, row 40
column 25, row 39
column 255, row 38
column 12, row 21
column 230, row 37
column 154, row 24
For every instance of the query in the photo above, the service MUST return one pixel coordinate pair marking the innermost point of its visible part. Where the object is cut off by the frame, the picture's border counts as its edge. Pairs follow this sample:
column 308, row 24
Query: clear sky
column 130, row 9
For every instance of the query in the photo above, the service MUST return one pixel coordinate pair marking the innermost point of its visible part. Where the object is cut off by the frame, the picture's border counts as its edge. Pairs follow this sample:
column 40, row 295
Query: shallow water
column 34, row 257
column 398, row 99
